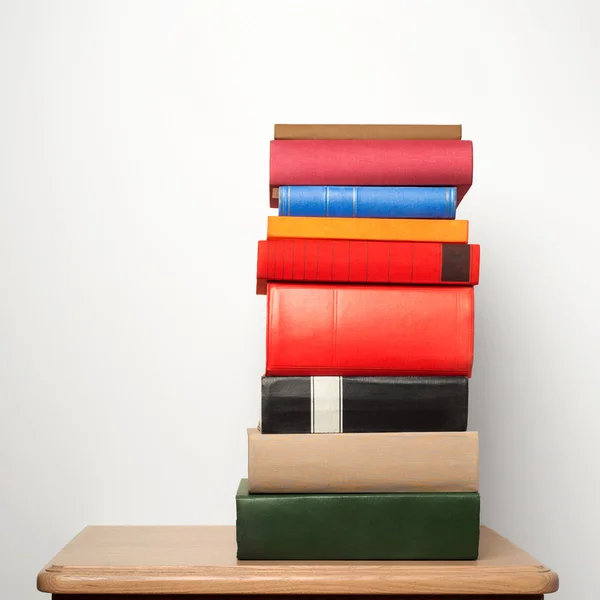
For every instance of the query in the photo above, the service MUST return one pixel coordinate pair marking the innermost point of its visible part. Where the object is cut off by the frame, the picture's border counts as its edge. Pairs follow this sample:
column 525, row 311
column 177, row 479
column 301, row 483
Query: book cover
column 360, row 261
column 387, row 230
column 298, row 463
column 429, row 163
column 410, row 526
column 326, row 329
column 367, row 132
column 363, row 404
column 367, row 202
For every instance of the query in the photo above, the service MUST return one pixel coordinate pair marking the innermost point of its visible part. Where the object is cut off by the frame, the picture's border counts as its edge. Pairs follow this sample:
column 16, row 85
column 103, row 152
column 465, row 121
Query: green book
column 408, row 526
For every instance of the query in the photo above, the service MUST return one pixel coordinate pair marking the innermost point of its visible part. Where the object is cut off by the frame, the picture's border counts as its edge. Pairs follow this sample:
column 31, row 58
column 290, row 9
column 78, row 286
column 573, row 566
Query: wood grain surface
column 288, row 597
column 201, row 560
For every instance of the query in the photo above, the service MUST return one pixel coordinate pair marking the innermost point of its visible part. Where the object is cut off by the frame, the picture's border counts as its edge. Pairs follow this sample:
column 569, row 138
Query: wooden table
column 136, row 562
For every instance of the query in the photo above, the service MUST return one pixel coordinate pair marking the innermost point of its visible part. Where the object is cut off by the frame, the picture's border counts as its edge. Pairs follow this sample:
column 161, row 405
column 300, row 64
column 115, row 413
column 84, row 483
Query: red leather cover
column 372, row 162
column 348, row 261
column 321, row 329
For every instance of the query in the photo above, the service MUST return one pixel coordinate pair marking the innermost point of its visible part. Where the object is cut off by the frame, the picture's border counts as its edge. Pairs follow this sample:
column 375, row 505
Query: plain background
column 134, row 141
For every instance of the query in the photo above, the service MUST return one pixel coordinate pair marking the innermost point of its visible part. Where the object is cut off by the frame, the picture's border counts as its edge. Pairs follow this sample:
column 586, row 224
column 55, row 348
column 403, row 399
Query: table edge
column 531, row 579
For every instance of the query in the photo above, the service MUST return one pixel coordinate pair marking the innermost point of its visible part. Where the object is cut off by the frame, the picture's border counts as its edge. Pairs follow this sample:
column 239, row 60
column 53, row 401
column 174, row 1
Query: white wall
column 133, row 189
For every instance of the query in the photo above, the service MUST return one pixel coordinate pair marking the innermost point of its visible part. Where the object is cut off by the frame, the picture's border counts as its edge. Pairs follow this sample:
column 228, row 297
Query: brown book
column 362, row 462
column 368, row 132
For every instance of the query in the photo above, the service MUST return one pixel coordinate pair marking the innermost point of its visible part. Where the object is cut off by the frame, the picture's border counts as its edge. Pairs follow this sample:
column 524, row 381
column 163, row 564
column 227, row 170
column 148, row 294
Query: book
column 372, row 163
column 391, row 230
column 363, row 404
column 328, row 329
column 337, row 463
column 367, row 132
column 360, row 261
column 367, row 202
column 410, row 526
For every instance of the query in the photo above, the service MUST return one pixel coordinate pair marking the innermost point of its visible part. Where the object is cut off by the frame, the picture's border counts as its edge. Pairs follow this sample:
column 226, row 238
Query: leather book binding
column 367, row 202
column 299, row 463
column 363, row 404
column 325, row 329
column 358, row 261
column 387, row 230
column 367, row 132
column 410, row 526
column 428, row 163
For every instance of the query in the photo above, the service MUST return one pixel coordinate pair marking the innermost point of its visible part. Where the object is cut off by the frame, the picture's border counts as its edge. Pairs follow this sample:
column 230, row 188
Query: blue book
column 367, row 202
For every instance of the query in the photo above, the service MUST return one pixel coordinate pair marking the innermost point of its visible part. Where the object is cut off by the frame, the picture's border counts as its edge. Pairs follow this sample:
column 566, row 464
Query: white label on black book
column 325, row 404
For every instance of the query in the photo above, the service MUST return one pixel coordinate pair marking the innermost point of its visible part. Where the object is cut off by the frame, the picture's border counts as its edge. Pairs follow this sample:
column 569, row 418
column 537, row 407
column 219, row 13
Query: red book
column 372, row 162
column 322, row 329
column 350, row 261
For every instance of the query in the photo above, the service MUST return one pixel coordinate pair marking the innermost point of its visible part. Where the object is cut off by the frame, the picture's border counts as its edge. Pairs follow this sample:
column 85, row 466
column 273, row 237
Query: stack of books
column 362, row 450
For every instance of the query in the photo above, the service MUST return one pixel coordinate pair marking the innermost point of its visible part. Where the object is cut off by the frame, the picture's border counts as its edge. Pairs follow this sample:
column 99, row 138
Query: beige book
column 368, row 132
column 363, row 462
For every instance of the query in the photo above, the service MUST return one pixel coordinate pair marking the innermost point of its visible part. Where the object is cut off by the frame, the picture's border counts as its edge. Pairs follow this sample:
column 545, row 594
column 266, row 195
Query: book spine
column 407, row 526
column 363, row 404
column 368, row 202
column 372, row 163
column 360, row 330
column 354, row 261
column 387, row 230
column 367, row 132
column 362, row 462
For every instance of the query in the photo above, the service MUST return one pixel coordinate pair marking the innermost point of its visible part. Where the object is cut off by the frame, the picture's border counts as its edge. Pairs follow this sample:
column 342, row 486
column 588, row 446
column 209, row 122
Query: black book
column 363, row 404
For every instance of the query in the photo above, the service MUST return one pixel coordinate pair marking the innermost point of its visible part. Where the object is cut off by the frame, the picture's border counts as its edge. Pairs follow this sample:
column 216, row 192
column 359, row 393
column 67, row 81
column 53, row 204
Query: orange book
column 400, row 230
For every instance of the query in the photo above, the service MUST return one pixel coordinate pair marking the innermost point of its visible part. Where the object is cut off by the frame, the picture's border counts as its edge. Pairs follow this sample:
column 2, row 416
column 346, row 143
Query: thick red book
column 324, row 329
column 350, row 261
column 372, row 162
